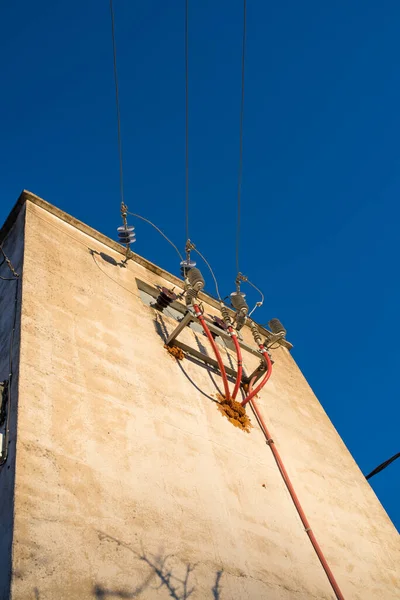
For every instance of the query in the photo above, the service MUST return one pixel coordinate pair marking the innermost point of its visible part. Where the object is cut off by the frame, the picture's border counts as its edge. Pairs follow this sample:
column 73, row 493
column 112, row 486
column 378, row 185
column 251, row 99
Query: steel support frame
column 185, row 322
column 189, row 317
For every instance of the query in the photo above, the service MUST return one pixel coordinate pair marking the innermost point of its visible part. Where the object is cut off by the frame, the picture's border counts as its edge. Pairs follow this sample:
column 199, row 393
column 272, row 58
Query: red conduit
column 239, row 363
column 264, row 380
column 295, row 499
column 200, row 317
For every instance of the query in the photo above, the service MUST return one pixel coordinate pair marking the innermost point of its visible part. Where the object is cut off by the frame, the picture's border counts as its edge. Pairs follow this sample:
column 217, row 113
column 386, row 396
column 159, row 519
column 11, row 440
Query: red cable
column 239, row 363
column 215, row 348
column 265, row 379
column 295, row 499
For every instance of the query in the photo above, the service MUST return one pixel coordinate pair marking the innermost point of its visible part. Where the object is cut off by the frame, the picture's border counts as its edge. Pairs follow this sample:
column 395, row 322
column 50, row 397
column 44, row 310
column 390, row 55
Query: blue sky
column 321, row 166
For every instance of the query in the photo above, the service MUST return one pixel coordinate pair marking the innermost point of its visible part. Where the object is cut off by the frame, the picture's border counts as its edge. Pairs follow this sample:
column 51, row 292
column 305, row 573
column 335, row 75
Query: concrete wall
column 128, row 476
column 12, row 244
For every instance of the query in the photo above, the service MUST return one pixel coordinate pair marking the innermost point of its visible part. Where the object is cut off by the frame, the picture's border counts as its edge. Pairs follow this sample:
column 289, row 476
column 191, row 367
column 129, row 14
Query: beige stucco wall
column 12, row 243
column 123, row 458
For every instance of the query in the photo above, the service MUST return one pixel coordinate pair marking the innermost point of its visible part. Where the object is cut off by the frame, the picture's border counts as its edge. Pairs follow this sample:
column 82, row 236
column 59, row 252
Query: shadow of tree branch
column 178, row 588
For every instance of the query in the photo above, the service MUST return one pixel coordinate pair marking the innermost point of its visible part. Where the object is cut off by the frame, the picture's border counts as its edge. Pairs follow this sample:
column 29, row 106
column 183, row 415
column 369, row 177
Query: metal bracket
column 257, row 373
column 181, row 308
column 189, row 318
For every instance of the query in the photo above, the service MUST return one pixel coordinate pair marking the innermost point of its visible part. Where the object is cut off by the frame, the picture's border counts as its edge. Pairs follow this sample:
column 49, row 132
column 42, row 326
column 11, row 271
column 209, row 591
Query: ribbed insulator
column 164, row 299
column 226, row 316
column 256, row 333
column 196, row 279
column 276, row 327
column 239, row 303
column 126, row 235
column 191, row 295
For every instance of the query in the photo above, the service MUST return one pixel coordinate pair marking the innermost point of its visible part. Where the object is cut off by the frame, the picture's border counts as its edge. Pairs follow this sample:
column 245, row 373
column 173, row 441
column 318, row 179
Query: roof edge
column 27, row 196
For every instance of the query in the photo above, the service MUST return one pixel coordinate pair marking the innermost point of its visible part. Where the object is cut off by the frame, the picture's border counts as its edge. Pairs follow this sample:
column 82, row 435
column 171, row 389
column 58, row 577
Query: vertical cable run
column 240, row 173
column 121, row 175
column 187, row 114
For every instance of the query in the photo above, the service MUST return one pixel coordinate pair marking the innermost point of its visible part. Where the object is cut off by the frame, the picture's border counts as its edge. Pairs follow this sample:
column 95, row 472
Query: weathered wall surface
column 123, row 458
column 13, row 247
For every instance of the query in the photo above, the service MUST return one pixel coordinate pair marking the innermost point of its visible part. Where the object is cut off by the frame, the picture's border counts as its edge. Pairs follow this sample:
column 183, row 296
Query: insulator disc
column 127, row 238
column 129, row 228
column 185, row 266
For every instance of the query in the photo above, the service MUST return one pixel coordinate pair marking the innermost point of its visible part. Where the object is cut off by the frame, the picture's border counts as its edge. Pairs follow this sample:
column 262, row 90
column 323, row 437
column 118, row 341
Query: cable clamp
column 308, row 529
column 270, row 441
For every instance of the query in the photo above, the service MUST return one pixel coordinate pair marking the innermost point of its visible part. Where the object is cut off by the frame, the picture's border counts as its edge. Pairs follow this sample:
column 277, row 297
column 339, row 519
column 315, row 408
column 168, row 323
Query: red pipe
column 296, row 501
column 265, row 378
column 239, row 362
column 202, row 320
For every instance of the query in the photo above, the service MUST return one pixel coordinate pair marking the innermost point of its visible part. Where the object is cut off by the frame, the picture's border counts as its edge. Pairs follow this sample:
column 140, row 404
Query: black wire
column 212, row 273
column 240, row 173
column 11, row 268
column 187, row 114
column 121, row 175
column 159, row 231
column 382, row 466
column 10, row 375
column 10, row 364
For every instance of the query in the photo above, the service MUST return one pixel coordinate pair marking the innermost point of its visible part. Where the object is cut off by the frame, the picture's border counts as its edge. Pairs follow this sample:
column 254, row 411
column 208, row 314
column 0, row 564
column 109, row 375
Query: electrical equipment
column 185, row 267
column 256, row 333
column 194, row 284
column 238, row 301
column 218, row 323
column 164, row 299
column 196, row 279
column 126, row 235
column 240, row 305
column 277, row 328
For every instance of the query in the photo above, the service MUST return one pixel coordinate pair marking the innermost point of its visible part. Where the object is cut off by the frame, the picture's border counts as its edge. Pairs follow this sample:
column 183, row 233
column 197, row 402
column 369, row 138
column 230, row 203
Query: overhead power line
column 382, row 466
column 187, row 115
column 121, row 174
column 240, row 170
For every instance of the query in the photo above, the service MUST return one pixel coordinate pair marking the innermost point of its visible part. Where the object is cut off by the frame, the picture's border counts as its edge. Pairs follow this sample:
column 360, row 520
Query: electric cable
column 8, row 278
column 257, row 304
column 382, row 466
column 9, row 264
column 294, row 497
column 157, row 229
column 187, row 115
column 211, row 271
column 121, row 174
column 240, row 171
column 11, row 350
column 199, row 315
